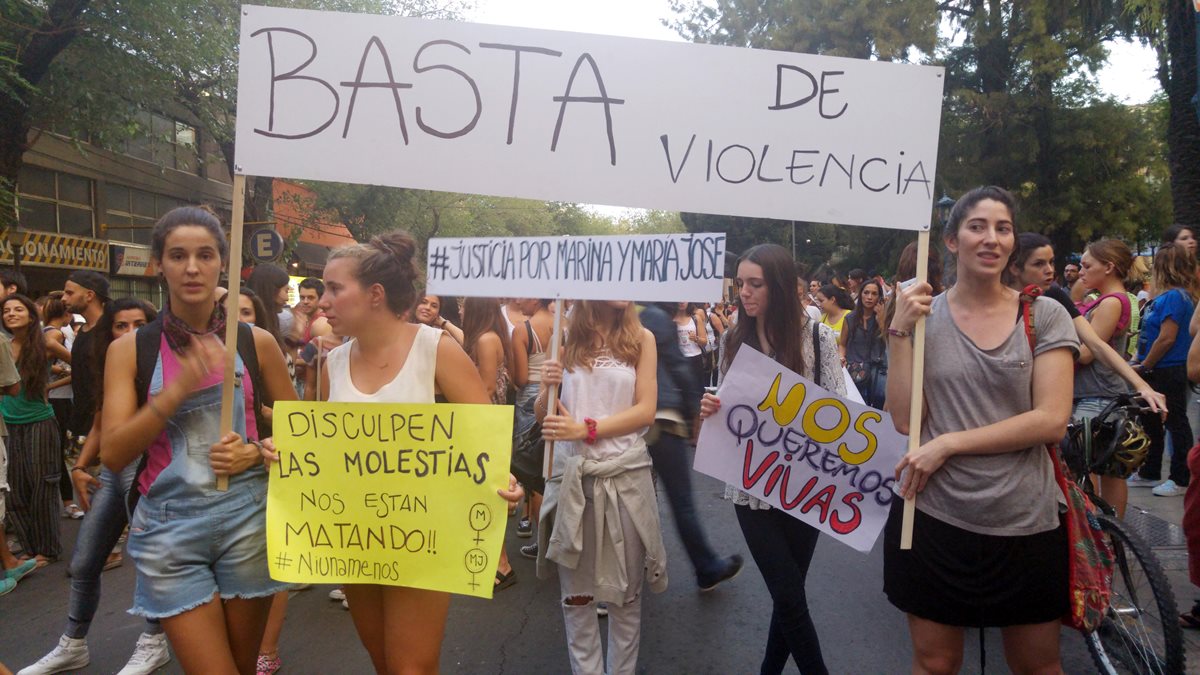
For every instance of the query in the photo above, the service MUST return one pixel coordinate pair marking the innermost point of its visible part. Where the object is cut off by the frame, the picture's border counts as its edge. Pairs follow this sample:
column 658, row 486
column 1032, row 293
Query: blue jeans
column 671, row 462
column 189, row 539
column 98, row 535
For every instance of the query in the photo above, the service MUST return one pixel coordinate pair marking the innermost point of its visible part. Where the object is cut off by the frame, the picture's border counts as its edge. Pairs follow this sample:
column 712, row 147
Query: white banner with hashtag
column 648, row 268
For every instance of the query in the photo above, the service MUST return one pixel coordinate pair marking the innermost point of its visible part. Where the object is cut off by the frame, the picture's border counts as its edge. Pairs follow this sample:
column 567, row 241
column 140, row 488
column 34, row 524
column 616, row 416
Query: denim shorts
column 188, row 550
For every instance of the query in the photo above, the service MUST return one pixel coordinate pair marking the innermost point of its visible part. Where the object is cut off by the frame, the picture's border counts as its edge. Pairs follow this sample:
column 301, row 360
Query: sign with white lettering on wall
column 461, row 107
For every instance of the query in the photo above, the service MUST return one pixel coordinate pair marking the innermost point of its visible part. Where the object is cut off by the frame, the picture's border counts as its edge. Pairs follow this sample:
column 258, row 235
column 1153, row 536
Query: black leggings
column 783, row 548
column 1172, row 382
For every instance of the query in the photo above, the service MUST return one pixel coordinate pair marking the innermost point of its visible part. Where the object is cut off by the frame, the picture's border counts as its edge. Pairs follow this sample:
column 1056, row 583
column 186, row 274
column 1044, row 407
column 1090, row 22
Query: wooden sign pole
column 916, row 404
column 552, row 401
column 231, row 311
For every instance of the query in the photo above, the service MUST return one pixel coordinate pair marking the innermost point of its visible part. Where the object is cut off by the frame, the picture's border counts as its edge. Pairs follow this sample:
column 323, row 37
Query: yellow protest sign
column 394, row 494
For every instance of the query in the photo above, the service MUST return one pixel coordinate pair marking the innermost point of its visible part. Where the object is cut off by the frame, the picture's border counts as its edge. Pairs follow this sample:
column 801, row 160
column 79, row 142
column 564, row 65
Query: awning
column 311, row 255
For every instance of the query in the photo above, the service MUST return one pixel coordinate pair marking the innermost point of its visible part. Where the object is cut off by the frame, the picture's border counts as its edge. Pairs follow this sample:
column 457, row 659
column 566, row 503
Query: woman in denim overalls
column 201, row 553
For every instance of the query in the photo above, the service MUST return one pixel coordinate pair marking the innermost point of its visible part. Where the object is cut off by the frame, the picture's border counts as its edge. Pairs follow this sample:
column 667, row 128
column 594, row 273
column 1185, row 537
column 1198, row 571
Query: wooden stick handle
column 231, row 312
column 917, row 401
column 552, row 400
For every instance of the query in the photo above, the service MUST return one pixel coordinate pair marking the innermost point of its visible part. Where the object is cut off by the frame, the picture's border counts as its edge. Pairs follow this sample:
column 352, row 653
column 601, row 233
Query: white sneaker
column 149, row 655
column 337, row 594
column 1136, row 480
column 1168, row 489
column 70, row 654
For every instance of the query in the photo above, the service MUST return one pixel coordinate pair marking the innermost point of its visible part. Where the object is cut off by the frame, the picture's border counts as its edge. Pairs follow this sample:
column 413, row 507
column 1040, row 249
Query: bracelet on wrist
column 79, row 468
column 591, row 431
column 895, row 332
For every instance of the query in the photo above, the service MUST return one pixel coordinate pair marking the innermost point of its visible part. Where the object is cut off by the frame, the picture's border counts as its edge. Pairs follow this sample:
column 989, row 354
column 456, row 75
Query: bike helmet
column 1120, row 443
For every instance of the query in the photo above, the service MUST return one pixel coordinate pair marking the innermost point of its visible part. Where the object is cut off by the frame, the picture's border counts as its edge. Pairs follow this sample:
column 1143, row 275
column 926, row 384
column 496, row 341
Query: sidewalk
column 1157, row 520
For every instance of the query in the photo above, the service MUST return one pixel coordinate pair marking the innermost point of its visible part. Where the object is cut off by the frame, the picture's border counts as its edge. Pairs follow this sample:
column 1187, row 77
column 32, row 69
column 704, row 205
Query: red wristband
column 591, row 431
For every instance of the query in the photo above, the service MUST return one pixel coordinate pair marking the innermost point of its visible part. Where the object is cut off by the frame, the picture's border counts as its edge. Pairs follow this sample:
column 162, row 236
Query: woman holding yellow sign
column 369, row 291
column 201, row 553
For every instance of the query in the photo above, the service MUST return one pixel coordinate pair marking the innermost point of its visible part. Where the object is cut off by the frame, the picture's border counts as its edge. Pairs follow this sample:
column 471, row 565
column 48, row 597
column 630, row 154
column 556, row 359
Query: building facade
column 80, row 206
column 85, row 207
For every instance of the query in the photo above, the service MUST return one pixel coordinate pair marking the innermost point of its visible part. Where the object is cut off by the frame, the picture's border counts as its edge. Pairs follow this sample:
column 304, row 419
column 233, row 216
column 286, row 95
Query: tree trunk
column 1183, row 126
column 994, row 59
column 12, row 148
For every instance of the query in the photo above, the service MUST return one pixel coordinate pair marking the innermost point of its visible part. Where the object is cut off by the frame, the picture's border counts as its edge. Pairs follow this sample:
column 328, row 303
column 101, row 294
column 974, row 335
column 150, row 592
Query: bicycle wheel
column 1140, row 633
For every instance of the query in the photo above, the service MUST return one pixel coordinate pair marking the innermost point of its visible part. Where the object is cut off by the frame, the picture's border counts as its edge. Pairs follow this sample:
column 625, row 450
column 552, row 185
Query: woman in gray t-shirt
column 989, row 548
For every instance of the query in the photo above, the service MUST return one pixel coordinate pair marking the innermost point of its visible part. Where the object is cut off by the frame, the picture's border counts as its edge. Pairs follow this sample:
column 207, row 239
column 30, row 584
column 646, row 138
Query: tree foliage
column 1021, row 110
column 368, row 209
column 119, row 57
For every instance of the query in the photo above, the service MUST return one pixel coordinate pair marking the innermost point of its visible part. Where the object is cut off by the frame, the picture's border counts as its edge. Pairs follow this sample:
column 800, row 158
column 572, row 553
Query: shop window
column 50, row 201
column 132, row 213
column 166, row 142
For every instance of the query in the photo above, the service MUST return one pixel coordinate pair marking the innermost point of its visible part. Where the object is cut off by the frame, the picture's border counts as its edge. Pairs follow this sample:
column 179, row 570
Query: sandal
column 268, row 664
column 503, row 581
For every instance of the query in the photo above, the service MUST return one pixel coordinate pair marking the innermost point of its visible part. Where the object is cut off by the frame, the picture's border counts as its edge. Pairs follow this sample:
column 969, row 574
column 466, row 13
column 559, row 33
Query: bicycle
column 1140, row 633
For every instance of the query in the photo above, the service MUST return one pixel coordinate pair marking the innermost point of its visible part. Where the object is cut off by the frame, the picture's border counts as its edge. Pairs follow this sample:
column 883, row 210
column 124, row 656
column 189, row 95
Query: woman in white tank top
column 369, row 289
column 605, row 552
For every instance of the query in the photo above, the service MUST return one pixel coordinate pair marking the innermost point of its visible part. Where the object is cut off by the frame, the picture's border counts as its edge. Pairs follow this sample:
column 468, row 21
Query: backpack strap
column 249, row 354
column 149, row 338
column 147, row 342
column 817, row 353
column 1031, row 293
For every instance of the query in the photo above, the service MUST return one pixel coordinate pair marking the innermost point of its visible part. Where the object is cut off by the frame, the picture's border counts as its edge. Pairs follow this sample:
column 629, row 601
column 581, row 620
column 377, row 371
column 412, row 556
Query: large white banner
column 650, row 268
column 549, row 115
column 826, row 460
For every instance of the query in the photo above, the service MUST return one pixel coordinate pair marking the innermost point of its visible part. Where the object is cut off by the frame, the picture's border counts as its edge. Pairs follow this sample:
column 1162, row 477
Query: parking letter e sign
column 265, row 245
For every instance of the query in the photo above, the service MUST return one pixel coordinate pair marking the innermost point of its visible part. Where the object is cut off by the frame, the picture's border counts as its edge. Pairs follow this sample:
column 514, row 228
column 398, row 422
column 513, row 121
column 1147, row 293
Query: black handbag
column 528, row 456
column 529, row 448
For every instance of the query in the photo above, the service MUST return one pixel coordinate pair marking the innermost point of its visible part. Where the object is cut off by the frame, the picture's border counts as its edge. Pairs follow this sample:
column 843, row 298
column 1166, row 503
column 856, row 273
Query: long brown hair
column 783, row 316
column 1174, row 267
column 480, row 316
column 589, row 331
column 33, row 364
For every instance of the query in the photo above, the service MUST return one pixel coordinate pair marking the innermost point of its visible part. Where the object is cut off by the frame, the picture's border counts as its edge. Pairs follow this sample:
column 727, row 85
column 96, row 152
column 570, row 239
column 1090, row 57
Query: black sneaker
column 733, row 567
column 530, row 551
column 524, row 528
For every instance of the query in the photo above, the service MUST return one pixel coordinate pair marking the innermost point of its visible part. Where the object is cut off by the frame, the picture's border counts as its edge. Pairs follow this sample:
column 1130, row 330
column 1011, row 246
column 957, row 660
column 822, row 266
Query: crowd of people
column 110, row 409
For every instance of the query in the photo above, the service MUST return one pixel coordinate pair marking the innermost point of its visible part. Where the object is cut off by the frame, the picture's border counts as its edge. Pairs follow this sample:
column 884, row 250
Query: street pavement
column 521, row 631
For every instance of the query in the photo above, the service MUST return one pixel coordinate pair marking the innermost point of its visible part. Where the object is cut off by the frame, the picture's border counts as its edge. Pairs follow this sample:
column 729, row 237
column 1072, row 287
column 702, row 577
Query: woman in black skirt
column 989, row 548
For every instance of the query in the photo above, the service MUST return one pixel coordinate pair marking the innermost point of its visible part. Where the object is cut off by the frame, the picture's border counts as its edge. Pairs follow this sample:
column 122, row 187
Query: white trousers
column 624, row 621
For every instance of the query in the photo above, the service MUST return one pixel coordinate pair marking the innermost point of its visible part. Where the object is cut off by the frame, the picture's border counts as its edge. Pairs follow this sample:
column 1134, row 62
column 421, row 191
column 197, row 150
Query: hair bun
column 400, row 245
